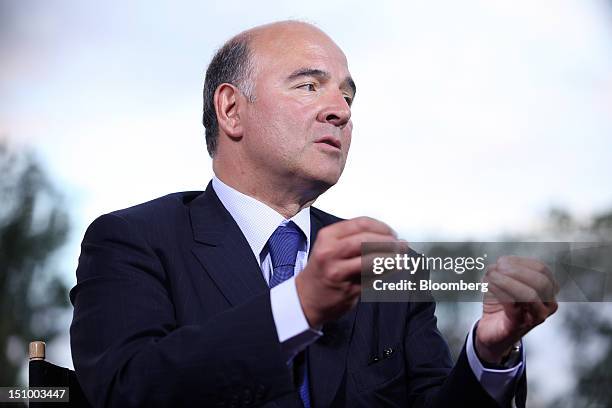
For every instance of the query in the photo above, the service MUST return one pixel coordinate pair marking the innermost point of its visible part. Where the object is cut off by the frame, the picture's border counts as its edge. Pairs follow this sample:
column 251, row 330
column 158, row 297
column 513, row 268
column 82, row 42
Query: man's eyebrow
column 311, row 72
column 319, row 73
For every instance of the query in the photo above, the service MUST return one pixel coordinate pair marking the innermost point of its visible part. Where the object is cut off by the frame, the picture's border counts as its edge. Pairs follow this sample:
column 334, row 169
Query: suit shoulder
column 169, row 202
column 161, row 210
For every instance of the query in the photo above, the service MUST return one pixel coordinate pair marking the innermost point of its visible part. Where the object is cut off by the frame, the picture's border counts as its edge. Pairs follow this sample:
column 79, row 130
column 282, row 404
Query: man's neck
column 282, row 200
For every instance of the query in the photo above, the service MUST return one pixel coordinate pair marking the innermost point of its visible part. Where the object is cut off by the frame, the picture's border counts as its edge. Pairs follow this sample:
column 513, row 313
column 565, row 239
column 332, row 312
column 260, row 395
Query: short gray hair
column 231, row 64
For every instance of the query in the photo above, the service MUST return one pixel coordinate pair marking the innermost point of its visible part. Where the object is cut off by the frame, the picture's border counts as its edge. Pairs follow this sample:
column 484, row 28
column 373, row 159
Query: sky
column 472, row 118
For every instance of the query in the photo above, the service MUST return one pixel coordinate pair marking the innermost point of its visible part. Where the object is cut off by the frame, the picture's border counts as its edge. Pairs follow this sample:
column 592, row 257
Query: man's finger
column 524, row 273
column 496, row 294
column 537, row 266
column 519, row 291
column 351, row 269
column 538, row 311
column 352, row 245
column 356, row 225
column 347, row 270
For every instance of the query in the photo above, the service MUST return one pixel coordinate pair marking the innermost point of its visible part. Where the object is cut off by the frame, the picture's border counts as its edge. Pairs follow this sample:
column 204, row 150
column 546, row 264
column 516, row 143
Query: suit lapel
column 327, row 356
column 223, row 250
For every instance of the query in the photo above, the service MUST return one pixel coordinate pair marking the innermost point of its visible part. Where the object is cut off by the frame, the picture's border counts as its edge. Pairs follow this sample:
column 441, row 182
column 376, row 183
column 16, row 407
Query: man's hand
column 521, row 296
column 330, row 284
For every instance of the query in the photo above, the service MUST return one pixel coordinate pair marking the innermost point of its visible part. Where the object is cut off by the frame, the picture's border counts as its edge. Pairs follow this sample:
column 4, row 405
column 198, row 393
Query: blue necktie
column 283, row 245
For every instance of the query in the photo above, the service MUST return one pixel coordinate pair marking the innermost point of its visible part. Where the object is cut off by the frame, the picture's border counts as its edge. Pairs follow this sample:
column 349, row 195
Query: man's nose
column 335, row 110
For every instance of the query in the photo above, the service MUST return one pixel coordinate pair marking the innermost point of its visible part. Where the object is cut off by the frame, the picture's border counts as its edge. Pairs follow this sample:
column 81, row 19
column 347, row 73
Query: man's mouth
column 330, row 140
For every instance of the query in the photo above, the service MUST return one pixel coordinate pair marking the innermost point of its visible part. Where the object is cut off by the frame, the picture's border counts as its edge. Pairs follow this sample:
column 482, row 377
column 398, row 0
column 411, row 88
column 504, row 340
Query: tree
column 33, row 224
column 589, row 325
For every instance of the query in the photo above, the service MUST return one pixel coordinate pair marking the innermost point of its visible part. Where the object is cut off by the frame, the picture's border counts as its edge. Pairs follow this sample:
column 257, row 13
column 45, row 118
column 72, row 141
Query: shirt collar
column 255, row 219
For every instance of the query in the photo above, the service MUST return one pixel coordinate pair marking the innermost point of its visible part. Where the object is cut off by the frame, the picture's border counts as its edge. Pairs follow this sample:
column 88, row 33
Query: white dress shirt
column 257, row 222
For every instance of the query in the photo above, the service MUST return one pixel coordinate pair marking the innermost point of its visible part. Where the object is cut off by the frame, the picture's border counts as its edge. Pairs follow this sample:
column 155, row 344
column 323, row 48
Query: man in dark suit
column 245, row 295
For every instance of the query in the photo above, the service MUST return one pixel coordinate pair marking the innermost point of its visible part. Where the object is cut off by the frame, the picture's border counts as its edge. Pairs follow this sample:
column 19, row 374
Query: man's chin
column 317, row 178
column 323, row 182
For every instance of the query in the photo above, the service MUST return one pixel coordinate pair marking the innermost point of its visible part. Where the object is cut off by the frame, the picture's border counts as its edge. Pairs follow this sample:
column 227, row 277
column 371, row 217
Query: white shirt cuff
column 497, row 383
column 294, row 332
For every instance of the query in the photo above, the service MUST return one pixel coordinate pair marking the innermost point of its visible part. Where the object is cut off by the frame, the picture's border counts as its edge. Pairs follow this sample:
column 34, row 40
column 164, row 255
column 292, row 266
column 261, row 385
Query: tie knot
column 284, row 244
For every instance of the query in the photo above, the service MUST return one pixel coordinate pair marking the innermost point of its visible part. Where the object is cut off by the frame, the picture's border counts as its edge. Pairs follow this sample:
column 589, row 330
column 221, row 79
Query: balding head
column 282, row 32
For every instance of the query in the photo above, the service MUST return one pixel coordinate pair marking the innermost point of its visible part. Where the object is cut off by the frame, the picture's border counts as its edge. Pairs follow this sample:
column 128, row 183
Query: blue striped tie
column 283, row 245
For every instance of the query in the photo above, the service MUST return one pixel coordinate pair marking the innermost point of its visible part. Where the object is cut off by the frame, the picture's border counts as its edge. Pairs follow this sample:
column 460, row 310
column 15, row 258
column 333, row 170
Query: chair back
column 45, row 374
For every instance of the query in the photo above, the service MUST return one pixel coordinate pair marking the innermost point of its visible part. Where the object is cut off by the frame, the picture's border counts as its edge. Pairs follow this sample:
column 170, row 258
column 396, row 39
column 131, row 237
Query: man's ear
column 227, row 101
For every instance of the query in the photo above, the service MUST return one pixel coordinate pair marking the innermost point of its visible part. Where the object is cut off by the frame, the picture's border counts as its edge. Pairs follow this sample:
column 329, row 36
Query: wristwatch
column 513, row 356
column 508, row 361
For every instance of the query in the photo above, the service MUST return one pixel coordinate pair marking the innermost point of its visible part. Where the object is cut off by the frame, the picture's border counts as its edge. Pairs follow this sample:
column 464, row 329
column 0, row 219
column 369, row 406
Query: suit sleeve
column 129, row 351
column 433, row 383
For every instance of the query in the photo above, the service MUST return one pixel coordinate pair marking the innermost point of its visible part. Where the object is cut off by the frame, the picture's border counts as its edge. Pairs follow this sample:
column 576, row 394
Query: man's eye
column 348, row 100
column 308, row 87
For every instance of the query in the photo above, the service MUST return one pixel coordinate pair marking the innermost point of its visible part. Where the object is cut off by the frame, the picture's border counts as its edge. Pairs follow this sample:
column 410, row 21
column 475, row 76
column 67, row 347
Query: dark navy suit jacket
column 171, row 309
